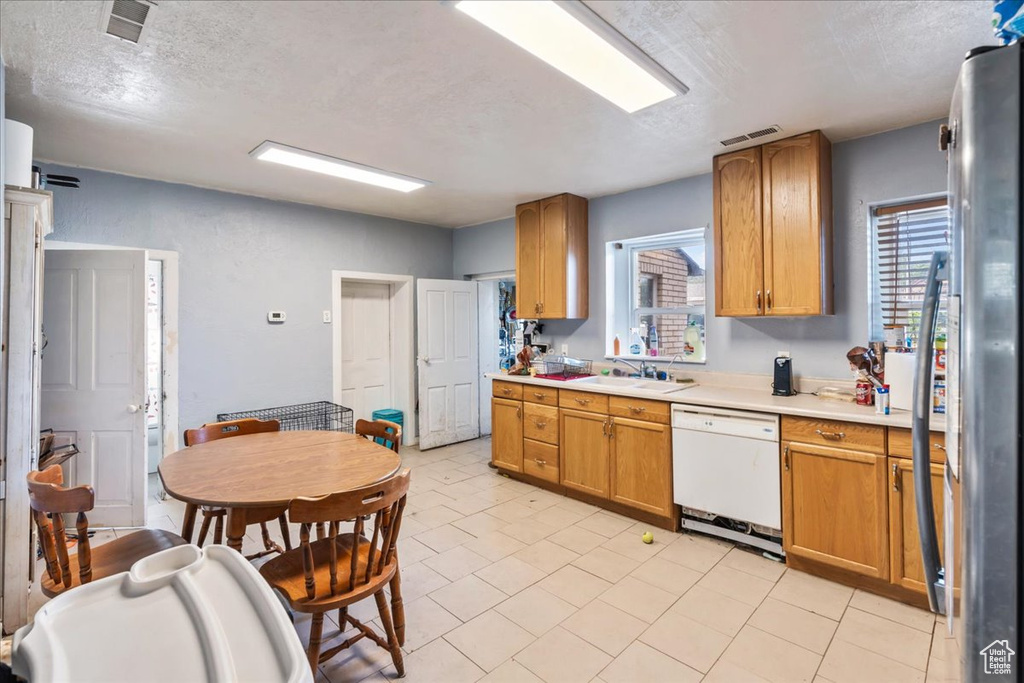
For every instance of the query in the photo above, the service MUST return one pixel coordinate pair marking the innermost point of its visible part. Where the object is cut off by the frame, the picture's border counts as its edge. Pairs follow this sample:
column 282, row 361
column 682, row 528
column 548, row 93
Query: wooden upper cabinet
column 773, row 229
column 552, row 276
column 739, row 278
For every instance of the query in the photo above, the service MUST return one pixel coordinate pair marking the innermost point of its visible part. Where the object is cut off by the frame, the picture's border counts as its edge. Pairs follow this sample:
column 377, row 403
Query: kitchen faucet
column 643, row 369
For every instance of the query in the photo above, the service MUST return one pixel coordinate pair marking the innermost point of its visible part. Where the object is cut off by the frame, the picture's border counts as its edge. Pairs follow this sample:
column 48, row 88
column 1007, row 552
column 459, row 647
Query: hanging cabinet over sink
column 552, row 276
column 773, row 229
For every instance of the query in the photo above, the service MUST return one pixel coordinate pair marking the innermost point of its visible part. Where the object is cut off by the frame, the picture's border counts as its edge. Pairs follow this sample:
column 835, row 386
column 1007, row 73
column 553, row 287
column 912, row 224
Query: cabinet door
column 739, row 259
column 553, row 257
column 507, row 434
column 529, row 248
column 641, row 465
column 584, row 452
column 907, row 570
column 834, row 508
column 797, row 225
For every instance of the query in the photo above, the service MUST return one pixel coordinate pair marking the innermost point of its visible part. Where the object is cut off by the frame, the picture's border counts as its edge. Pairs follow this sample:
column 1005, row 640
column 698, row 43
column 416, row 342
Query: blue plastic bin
column 389, row 414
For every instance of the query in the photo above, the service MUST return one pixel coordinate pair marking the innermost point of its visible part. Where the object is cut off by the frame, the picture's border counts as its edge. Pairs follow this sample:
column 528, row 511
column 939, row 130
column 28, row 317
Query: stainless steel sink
column 634, row 383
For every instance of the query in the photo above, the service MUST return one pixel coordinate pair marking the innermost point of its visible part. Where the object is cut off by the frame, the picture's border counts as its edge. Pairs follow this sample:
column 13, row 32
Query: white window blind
column 906, row 235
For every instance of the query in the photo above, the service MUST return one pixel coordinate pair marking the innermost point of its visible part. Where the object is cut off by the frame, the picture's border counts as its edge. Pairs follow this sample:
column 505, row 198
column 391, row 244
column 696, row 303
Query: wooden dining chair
column 341, row 569
column 385, row 430
column 50, row 501
column 223, row 430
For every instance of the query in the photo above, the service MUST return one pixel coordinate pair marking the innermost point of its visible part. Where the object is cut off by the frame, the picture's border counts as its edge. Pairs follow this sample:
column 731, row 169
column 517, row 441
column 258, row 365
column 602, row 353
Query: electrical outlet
column 327, row 316
column 565, row 349
column 783, row 354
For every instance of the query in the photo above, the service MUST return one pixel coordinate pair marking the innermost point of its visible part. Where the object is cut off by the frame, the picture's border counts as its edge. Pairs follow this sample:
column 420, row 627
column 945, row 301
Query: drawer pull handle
column 831, row 436
column 540, row 425
column 519, row 412
column 583, row 401
column 785, row 458
column 895, row 477
column 637, row 409
column 938, row 446
column 540, row 462
column 506, row 391
column 538, row 394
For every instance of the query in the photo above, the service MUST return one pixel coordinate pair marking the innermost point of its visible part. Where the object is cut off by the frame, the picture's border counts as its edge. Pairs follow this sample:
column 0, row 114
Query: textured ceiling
column 420, row 89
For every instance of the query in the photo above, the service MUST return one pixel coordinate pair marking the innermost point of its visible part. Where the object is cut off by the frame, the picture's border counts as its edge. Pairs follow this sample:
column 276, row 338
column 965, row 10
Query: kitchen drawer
column 858, row 437
column 540, row 460
column 901, row 444
column 583, row 400
column 509, row 390
column 540, row 422
column 544, row 395
column 640, row 409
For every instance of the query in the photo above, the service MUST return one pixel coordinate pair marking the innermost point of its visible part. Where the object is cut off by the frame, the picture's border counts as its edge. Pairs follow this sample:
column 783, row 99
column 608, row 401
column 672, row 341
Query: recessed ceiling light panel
column 572, row 38
column 339, row 168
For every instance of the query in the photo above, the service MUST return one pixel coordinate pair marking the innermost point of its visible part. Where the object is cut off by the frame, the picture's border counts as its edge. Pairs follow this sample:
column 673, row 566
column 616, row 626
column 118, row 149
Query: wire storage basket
column 319, row 415
column 567, row 367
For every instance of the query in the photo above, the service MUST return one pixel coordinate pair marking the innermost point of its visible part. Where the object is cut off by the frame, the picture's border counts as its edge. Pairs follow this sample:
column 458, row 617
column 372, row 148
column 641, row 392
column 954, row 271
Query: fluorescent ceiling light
column 572, row 38
column 339, row 168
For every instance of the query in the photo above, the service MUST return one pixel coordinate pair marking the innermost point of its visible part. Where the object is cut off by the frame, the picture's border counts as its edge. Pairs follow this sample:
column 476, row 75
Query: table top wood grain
column 274, row 468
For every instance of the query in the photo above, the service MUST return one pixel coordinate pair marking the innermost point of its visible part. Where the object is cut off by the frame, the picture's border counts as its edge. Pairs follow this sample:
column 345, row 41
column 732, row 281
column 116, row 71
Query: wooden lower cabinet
column 641, row 465
column 507, row 434
column 907, row 570
column 583, row 439
column 834, row 507
column 540, row 460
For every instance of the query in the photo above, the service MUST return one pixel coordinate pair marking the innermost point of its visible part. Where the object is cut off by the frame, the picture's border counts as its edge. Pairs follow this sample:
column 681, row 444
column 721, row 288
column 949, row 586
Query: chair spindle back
column 49, row 501
column 222, row 430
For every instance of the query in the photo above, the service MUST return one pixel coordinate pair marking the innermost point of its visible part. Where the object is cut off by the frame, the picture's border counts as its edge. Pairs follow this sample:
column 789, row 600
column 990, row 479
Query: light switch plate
column 565, row 349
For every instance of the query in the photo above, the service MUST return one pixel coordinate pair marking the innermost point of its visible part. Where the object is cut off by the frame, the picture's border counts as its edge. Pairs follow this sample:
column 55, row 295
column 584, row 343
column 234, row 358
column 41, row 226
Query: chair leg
column 389, row 629
column 286, row 534
column 316, row 631
column 342, row 618
column 204, row 528
column 268, row 542
column 218, row 530
column 397, row 606
column 188, row 524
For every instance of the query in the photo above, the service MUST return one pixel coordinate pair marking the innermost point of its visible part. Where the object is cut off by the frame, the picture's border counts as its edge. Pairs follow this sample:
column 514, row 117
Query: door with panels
column 449, row 408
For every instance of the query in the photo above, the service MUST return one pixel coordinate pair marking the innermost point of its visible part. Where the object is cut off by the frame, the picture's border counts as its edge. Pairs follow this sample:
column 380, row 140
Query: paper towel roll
column 17, row 153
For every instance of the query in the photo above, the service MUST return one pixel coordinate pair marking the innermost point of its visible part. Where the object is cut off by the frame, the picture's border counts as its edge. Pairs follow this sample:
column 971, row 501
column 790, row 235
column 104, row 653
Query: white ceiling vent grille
column 770, row 130
column 127, row 19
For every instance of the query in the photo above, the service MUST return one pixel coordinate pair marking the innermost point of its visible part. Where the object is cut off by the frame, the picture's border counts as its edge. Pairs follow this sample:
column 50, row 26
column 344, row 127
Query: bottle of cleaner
column 636, row 342
column 693, row 345
column 653, row 339
column 615, row 346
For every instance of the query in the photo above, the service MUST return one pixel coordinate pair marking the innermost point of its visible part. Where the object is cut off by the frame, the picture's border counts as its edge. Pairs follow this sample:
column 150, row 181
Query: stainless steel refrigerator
column 978, row 582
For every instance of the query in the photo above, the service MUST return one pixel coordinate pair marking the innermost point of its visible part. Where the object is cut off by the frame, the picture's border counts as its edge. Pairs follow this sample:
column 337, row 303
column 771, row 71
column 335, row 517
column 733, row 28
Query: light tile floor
column 507, row 582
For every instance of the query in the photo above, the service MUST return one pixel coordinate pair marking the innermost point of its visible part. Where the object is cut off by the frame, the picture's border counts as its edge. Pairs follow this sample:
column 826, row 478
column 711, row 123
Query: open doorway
column 496, row 302
column 154, row 363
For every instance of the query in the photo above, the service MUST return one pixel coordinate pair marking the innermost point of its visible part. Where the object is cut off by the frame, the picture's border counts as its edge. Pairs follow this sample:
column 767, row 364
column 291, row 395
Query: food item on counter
column 882, row 399
column 865, row 395
column 648, row 537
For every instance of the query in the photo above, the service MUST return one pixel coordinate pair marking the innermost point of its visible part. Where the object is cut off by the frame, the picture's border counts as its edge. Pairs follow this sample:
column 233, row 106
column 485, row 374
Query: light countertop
column 739, row 398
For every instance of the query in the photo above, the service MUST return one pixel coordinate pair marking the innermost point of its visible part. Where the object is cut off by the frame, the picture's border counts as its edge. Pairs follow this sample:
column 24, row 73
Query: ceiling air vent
column 770, row 130
column 126, row 19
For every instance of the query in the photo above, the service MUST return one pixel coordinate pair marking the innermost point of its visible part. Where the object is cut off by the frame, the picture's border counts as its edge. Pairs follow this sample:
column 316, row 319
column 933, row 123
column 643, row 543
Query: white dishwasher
column 725, row 474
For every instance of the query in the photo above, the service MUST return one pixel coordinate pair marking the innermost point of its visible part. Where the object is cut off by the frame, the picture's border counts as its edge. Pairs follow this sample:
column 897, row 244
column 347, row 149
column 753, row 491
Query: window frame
column 629, row 249
column 877, row 318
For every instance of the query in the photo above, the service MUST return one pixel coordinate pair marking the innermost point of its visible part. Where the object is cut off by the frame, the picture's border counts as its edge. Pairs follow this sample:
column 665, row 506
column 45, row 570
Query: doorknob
column 425, row 360
column 132, row 408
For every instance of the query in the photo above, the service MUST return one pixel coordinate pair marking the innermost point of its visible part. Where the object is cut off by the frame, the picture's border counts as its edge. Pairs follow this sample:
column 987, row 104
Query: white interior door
column 94, row 374
column 447, row 360
column 366, row 347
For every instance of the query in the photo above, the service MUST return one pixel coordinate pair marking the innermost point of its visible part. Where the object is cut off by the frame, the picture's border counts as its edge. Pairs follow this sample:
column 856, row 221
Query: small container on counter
column 939, row 397
column 865, row 394
column 882, row 399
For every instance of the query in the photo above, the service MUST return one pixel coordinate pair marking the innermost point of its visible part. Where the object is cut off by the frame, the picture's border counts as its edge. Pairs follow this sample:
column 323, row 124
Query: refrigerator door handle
column 933, row 570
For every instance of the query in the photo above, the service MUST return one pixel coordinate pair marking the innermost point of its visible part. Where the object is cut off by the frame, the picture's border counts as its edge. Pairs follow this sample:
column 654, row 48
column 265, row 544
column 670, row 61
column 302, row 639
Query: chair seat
column 286, row 574
column 115, row 557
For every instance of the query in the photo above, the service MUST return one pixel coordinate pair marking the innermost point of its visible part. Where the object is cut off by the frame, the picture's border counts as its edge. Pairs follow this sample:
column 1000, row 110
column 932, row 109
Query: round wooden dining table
column 272, row 469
